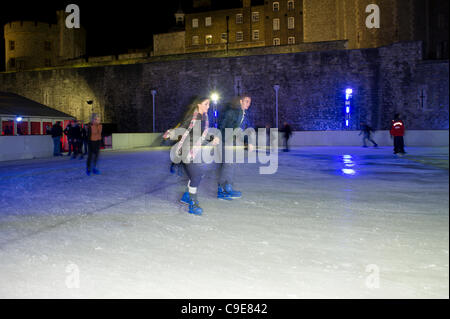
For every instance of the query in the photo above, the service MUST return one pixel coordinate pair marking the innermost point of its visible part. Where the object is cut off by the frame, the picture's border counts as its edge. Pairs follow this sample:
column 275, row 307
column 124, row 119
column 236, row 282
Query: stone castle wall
column 311, row 96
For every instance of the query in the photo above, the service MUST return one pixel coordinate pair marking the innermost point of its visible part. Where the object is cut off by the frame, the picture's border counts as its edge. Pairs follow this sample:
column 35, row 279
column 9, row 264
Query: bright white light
column 348, row 171
column 347, row 109
column 349, row 91
column 19, row 119
column 347, row 156
column 346, row 122
column 215, row 97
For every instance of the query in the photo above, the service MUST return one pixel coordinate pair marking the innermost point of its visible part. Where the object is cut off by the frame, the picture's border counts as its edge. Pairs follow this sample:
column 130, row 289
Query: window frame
column 237, row 38
column 289, row 38
column 255, row 14
column 195, row 25
column 291, row 25
column 241, row 18
column 277, row 5
column 208, row 36
column 276, row 40
column 12, row 45
column 291, row 5
column 197, row 42
column 253, row 35
column 206, row 21
column 277, row 24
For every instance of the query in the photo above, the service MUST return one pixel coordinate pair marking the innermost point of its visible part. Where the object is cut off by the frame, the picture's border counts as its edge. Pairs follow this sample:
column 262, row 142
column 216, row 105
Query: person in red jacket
column 398, row 131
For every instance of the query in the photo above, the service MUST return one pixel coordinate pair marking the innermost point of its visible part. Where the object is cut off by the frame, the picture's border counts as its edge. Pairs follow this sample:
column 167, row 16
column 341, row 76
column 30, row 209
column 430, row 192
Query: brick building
column 266, row 23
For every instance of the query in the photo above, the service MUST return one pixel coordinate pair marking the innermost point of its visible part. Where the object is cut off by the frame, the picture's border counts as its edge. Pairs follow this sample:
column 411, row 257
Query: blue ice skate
column 232, row 193
column 194, row 208
column 88, row 172
column 96, row 171
column 186, row 199
column 222, row 194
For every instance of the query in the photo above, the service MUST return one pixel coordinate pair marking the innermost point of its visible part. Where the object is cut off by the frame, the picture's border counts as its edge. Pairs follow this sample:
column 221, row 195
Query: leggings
column 195, row 173
column 94, row 150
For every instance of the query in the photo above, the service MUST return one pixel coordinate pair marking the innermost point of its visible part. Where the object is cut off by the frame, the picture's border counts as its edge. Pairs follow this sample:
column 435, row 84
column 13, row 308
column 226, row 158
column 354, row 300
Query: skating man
column 397, row 132
column 367, row 130
column 235, row 116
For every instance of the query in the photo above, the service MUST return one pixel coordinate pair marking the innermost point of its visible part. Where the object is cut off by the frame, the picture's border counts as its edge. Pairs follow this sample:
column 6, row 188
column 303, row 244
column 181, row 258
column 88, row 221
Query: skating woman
column 189, row 148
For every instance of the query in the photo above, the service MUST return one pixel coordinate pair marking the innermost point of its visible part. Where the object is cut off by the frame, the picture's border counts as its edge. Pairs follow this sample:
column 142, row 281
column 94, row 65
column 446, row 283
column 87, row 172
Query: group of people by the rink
column 79, row 137
column 196, row 120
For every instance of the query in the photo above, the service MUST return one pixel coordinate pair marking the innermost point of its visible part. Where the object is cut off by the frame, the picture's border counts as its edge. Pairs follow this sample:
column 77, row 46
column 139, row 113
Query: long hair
column 190, row 109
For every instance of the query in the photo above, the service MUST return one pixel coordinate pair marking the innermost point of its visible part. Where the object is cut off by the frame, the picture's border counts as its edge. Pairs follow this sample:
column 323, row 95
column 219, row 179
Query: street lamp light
column 215, row 98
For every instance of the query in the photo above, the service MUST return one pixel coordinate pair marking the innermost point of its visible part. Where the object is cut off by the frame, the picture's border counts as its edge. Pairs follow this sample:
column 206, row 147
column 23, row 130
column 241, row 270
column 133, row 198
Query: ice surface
column 331, row 223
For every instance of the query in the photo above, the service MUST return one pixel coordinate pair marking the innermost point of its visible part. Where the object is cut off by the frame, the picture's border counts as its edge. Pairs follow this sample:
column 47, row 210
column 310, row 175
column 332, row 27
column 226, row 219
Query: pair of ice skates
column 226, row 193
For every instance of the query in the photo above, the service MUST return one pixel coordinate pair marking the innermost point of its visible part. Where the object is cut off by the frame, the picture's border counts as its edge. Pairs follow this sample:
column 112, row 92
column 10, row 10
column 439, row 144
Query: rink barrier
column 126, row 141
column 424, row 138
column 25, row 147
column 41, row 146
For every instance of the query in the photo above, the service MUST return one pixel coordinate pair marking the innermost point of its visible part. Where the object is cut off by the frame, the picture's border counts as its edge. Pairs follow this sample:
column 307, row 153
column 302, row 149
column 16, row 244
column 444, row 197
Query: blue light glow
column 346, row 122
column 19, row 119
column 215, row 113
column 348, row 171
column 347, row 109
column 349, row 91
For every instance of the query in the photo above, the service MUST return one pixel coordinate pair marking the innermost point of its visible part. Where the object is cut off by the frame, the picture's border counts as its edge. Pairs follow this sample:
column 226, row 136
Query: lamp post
column 215, row 98
column 153, row 96
column 276, row 87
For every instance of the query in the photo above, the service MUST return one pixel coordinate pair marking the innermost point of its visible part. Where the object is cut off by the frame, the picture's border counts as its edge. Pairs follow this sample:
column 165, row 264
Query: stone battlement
column 29, row 26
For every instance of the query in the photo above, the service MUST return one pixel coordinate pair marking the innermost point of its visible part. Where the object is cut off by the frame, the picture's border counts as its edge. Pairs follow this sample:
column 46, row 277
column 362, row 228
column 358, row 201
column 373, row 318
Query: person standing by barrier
column 397, row 132
column 76, row 140
column 56, row 132
column 68, row 131
column 287, row 130
column 94, row 143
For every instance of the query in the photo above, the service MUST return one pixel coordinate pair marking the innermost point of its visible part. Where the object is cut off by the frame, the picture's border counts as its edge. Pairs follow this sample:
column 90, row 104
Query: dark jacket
column 69, row 132
column 287, row 131
column 233, row 117
column 76, row 132
column 56, row 131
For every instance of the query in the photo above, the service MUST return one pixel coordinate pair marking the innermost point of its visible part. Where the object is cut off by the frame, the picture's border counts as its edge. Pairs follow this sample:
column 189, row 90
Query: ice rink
column 333, row 222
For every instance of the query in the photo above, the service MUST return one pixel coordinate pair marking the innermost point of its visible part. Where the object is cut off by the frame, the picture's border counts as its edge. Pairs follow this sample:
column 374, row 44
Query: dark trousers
column 93, row 152
column 368, row 137
column 286, row 144
column 71, row 146
column 226, row 170
column 194, row 172
column 399, row 146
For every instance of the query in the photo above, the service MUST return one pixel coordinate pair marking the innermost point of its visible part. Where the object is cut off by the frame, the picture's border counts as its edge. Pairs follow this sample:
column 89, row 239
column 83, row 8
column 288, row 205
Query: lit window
column 291, row 5
column 276, row 24
column 239, row 36
column 291, row 40
column 239, row 18
column 276, row 41
column 291, row 23
column 47, row 46
column 195, row 23
column 12, row 45
column 223, row 38
column 208, row 39
column 195, row 40
column 208, row 21
column 255, row 16
column 276, row 6
column 255, row 35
